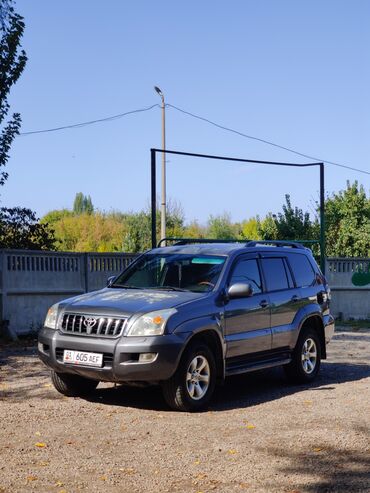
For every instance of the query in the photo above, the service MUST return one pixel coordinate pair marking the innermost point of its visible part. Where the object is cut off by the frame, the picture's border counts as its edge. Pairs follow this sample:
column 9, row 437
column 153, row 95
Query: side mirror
column 239, row 290
column 110, row 281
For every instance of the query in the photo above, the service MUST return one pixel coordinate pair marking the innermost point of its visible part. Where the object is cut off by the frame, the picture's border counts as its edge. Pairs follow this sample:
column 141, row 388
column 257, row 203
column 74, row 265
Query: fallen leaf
column 44, row 463
column 201, row 475
column 40, row 444
column 47, row 385
column 32, row 478
column 38, row 434
column 233, row 451
column 197, row 462
column 129, row 471
column 250, row 427
column 59, row 483
column 317, row 449
column 103, row 478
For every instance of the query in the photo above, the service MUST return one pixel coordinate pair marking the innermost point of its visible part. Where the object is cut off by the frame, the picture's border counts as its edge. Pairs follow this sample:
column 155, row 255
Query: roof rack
column 248, row 243
column 185, row 241
column 277, row 243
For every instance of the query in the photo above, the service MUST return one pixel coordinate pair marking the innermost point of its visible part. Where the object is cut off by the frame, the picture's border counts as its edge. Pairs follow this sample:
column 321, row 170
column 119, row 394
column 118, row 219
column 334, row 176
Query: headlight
column 51, row 317
column 150, row 324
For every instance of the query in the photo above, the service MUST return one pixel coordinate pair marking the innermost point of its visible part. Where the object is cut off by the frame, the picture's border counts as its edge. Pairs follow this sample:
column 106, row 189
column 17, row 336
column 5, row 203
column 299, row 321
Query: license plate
column 82, row 358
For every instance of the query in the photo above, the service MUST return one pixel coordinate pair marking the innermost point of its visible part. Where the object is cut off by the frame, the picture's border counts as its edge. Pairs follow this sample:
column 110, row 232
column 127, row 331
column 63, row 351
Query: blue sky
column 295, row 73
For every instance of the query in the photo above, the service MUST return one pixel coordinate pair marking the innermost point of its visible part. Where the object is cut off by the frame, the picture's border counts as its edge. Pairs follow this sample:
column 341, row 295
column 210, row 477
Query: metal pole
column 163, row 180
column 153, row 198
column 163, row 204
column 322, row 218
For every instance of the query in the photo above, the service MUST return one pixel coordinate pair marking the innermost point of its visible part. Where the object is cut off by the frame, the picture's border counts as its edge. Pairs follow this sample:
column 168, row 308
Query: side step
column 238, row 366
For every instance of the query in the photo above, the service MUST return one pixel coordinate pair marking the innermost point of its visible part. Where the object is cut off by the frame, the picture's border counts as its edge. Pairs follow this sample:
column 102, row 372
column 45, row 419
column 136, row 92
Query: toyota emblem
column 89, row 323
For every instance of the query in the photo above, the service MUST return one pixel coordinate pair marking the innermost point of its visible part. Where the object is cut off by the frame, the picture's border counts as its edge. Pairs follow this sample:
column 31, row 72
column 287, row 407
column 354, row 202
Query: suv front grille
column 92, row 326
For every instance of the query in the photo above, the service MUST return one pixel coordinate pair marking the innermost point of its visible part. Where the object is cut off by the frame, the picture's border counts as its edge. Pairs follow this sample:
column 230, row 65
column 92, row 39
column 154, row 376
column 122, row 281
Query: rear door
column 285, row 299
column 247, row 320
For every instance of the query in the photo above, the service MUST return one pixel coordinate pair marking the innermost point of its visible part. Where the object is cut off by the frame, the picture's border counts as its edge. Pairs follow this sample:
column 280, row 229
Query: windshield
column 198, row 273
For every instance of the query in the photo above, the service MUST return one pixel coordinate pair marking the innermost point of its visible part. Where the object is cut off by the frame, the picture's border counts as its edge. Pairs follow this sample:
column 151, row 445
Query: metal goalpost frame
column 153, row 153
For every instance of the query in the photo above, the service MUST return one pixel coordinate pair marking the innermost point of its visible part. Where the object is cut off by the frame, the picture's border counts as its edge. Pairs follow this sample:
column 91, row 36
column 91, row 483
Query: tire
column 73, row 385
column 188, row 389
column 306, row 357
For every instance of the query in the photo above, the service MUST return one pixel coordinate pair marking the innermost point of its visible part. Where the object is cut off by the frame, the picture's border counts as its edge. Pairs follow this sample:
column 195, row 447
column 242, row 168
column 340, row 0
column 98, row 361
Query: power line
column 198, row 117
column 222, row 127
column 91, row 122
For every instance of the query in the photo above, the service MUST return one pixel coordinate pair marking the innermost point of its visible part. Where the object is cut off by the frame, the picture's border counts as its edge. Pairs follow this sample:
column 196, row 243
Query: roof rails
column 247, row 243
column 185, row 241
column 277, row 243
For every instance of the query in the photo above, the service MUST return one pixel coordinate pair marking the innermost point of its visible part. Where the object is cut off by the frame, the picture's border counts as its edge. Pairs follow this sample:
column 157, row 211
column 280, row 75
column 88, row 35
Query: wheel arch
column 315, row 321
column 211, row 338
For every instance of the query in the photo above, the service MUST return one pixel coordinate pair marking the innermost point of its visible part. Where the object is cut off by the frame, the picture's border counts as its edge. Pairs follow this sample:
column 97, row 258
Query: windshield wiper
column 125, row 286
column 170, row 288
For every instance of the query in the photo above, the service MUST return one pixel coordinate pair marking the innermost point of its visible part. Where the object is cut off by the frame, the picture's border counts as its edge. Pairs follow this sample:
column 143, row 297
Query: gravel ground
column 259, row 435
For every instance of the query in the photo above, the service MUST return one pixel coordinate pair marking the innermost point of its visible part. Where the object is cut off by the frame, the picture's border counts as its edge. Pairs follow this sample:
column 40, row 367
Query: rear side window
column 275, row 274
column 302, row 270
column 247, row 271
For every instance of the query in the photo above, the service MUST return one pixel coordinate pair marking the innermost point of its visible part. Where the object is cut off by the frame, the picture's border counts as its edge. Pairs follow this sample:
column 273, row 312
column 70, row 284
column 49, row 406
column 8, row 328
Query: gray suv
column 188, row 315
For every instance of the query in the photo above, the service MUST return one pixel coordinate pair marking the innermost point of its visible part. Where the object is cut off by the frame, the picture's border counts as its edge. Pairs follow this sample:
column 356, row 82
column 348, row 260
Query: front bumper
column 120, row 356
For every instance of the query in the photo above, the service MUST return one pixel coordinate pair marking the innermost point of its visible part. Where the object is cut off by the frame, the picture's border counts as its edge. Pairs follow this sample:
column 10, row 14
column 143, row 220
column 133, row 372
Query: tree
column 19, row 228
column 12, row 63
column 250, row 229
column 291, row 224
column 221, row 227
column 83, row 204
column 347, row 221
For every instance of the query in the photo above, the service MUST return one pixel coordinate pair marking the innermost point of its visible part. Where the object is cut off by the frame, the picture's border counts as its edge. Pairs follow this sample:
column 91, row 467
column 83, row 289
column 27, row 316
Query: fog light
column 147, row 357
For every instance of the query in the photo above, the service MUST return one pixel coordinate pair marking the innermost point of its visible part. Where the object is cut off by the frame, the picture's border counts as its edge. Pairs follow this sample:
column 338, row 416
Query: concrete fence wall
column 349, row 279
column 31, row 281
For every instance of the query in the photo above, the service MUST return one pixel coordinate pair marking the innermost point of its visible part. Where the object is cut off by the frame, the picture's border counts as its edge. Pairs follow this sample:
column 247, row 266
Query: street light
column 163, row 201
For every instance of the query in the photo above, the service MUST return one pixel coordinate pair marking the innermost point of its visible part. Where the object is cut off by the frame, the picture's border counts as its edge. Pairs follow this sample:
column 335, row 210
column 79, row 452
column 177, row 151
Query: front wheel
column 192, row 385
column 306, row 358
column 72, row 385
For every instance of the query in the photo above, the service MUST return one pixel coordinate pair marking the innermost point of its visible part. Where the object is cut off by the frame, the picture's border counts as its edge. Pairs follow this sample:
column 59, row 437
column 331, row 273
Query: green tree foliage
column 249, row 229
column 19, row 228
column 138, row 233
column 83, row 204
column 12, row 63
column 290, row 224
column 221, row 227
column 347, row 216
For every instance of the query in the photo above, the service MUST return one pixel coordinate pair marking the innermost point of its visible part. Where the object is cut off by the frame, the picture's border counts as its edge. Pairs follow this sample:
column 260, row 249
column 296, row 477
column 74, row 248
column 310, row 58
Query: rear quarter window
column 302, row 270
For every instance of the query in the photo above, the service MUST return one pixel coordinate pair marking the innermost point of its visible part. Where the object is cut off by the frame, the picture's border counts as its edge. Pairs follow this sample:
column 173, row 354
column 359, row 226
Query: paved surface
column 260, row 434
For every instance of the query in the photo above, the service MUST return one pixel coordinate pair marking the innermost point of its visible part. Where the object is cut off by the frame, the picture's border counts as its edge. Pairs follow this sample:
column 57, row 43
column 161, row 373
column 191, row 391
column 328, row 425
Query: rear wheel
column 192, row 385
column 306, row 357
column 72, row 385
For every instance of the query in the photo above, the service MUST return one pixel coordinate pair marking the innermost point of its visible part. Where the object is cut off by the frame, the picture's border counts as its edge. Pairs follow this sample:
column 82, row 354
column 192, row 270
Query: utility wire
column 222, row 127
column 198, row 117
column 91, row 122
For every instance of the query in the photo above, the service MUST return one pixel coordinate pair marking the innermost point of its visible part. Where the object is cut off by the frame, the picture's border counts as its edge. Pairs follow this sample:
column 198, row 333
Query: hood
column 126, row 302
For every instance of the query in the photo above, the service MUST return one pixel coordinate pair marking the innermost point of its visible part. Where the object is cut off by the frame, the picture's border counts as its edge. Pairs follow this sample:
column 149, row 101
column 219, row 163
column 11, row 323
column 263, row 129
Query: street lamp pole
column 163, row 200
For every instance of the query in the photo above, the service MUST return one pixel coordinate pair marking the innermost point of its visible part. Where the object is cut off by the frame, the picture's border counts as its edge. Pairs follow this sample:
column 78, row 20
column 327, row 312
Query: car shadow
column 331, row 469
column 239, row 391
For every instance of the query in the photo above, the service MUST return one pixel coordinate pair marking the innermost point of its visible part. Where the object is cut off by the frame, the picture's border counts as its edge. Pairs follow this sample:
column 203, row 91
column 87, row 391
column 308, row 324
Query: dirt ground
column 259, row 435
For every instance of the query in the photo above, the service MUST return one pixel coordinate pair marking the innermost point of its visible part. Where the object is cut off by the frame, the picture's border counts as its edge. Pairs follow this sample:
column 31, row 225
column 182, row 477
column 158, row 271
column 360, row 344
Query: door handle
column 294, row 298
column 264, row 304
